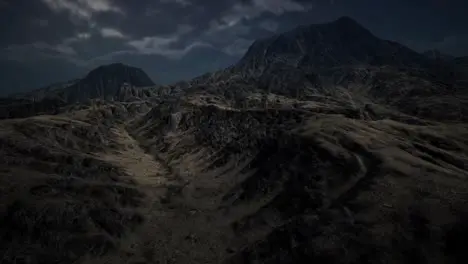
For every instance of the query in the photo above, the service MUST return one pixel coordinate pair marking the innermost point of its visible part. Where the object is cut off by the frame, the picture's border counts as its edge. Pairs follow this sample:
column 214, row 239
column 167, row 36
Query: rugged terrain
column 355, row 153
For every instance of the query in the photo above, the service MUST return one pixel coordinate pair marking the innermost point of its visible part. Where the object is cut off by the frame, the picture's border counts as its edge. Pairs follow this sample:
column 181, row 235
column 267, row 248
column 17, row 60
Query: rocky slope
column 351, row 161
column 319, row 182
column 61, row 201
column 278, row 159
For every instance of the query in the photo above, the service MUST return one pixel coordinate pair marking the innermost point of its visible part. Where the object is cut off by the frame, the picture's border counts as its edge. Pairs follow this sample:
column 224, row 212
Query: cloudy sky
column 45, row 41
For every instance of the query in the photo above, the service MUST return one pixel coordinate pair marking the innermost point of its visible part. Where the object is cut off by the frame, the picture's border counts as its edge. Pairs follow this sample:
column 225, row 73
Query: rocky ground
column 291, row 185
column 199, row 180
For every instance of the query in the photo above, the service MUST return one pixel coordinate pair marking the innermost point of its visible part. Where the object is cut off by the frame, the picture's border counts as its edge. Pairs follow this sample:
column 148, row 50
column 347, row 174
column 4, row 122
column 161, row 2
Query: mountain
column 342, row 59
column 103, row 82
column 113, row 81
column 325, row 144
column 342, row 42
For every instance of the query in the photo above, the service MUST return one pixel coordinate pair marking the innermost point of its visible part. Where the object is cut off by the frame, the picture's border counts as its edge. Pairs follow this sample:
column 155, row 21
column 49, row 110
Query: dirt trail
column 173, row 231
column 143, row 168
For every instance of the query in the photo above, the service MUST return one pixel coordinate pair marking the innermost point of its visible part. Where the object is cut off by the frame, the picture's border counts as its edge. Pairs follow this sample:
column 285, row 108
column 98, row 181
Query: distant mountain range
column 302, row 62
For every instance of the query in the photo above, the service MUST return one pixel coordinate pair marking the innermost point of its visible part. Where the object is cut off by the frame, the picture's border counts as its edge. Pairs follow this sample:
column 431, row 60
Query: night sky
column 45, row 41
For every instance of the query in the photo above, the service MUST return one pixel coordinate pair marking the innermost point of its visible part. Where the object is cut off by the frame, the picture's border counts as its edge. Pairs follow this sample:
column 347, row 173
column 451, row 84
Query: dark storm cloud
column 175, row 28
column 171, row 28
column 24, row 21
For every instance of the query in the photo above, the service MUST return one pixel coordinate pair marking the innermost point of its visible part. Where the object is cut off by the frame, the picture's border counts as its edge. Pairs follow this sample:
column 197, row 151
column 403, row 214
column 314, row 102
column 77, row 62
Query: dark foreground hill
column 269, row 161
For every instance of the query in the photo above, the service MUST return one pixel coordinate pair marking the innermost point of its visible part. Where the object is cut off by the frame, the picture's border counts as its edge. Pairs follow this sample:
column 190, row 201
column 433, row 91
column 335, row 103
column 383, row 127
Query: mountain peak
column 340, row 42
column 106, row 80
column 113, row 68
column 347, row 25
column 129, row 74
column 345, row 20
